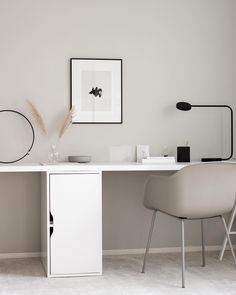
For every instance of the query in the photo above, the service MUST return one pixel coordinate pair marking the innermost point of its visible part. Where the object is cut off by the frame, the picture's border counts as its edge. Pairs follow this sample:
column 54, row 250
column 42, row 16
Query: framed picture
column 96, row 90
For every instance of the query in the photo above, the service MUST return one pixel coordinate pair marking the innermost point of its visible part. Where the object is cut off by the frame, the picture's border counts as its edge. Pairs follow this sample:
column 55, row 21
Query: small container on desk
column 183, row 154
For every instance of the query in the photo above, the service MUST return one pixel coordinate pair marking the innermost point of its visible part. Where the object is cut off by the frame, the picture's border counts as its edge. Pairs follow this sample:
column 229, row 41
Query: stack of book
column 159, row 160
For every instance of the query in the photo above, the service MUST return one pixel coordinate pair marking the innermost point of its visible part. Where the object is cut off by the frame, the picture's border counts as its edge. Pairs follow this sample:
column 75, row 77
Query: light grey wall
column 171, row 50
column 20, row 212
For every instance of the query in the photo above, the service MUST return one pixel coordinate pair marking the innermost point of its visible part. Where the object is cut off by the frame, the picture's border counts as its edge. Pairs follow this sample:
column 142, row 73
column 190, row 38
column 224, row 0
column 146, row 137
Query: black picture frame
column 76, row 99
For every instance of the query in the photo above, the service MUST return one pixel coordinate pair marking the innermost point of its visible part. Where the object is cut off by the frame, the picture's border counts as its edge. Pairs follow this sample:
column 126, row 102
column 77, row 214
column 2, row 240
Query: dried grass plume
column 67, row 121
column 38, row 117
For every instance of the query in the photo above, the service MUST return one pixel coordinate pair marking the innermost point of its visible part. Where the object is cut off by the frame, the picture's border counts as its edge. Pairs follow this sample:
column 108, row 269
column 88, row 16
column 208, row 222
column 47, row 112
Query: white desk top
column 96, row 166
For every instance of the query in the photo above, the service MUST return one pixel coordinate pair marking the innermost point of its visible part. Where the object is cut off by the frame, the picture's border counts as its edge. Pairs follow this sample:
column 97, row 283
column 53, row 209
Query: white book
column 160, row 160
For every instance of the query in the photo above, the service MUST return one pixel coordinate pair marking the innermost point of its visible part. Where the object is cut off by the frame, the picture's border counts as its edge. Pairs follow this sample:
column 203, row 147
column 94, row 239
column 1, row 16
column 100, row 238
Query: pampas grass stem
column 67, row 121
column 38, row 117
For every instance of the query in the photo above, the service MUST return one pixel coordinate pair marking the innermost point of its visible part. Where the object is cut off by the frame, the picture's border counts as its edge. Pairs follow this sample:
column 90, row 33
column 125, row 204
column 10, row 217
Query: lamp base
column 211, row 159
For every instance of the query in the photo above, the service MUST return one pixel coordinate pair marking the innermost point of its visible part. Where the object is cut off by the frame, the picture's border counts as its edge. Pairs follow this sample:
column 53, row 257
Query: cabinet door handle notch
column 51, row 224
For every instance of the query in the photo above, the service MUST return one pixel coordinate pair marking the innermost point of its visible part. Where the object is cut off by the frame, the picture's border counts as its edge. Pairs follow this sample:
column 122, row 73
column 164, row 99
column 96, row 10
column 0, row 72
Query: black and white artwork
column 96, row 90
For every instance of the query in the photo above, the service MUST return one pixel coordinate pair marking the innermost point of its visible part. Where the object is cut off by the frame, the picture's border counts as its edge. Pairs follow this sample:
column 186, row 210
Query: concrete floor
column 122, row 276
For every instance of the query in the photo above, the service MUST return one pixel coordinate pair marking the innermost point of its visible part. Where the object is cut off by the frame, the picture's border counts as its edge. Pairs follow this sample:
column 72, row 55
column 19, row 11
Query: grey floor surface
column 122, row 276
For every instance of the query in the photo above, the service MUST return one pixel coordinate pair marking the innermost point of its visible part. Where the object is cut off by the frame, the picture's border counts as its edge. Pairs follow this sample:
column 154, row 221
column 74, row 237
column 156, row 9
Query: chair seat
column 196, row 191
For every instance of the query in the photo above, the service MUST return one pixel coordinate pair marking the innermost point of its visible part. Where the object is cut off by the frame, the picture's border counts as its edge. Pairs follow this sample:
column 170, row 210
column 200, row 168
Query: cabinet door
column 75, row 205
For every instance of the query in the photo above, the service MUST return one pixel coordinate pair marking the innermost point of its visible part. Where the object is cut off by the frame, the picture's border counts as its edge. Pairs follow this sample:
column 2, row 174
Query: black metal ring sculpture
column 33, row 136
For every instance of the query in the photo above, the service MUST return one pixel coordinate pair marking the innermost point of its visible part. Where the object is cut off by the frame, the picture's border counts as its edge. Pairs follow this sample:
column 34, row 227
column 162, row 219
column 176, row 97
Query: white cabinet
column 74, row 224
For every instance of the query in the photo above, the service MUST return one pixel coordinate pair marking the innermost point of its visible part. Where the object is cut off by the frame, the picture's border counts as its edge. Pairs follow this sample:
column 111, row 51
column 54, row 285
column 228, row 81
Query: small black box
column 183, row 153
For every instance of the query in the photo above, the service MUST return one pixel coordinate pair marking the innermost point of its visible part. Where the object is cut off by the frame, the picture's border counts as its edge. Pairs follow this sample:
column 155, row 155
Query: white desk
column 96, row 166
column 71, row 212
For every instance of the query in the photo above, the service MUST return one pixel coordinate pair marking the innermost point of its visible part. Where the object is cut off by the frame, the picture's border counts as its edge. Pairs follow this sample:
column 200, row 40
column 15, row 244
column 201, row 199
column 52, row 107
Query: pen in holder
column 183, row 154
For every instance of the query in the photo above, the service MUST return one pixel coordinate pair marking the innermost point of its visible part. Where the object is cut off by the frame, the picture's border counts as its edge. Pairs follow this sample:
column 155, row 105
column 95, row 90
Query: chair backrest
column 196, row 191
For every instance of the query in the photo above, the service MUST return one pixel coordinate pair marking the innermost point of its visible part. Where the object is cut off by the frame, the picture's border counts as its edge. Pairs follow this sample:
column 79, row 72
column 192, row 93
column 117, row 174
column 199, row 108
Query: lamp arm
column 232, row 133
column 231, row 123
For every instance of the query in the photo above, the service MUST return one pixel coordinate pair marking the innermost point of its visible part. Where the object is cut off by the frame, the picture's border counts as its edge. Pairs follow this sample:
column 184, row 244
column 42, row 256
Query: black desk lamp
column 185, row 106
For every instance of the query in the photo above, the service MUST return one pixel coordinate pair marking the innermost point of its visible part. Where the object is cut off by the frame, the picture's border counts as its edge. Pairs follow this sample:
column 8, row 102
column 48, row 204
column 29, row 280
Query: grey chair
column 198, row 191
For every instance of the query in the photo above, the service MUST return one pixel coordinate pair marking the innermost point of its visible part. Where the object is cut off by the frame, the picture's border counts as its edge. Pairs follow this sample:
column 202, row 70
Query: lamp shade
column 183, row 106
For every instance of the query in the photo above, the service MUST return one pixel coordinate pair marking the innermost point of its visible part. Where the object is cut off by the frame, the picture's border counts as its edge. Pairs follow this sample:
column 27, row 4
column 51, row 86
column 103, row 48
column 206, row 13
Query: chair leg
column 228, row 238
column 203, row 244
column 183, row 253
column 149, row 239
column 231, row 220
